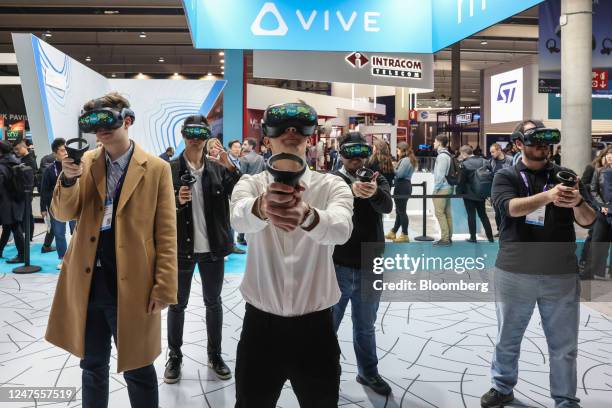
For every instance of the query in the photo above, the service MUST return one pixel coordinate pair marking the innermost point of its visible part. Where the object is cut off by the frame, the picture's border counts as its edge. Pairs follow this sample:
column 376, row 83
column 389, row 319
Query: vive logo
column 506, row 91
column 269, row 8
column 310, row 21
column 483, row 6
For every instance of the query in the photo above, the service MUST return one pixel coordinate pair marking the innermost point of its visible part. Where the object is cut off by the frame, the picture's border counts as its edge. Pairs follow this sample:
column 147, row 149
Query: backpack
column 482, row 181
column 22, row 177
column 454, row 170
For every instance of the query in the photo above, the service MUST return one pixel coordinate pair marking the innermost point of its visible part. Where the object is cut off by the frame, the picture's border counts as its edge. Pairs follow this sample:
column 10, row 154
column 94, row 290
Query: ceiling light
column 161, row 59
column 473, row 91
column 140, row 75
column 222, row 61
column 88, row 59
column 142, row 35
column 111, row 12
column 114, row 75
column 484, row 42
column 176, row 74
column 222, row 67
column 221, row 53
column 209, row 74
column 47, row 34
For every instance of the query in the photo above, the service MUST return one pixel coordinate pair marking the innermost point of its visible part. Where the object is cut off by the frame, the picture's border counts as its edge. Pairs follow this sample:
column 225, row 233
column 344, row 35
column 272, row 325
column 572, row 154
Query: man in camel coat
column 120, row 269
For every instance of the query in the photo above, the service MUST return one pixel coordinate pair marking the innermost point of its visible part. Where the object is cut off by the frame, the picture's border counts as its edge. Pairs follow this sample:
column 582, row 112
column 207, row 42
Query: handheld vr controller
column 188, row 180
column 76, row 148
column 364, row 174
column 567, row 178
column 286, row 168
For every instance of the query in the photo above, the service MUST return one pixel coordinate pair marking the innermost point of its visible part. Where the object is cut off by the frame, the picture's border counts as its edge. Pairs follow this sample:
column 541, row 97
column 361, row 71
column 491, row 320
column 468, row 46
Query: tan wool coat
column 145, row 244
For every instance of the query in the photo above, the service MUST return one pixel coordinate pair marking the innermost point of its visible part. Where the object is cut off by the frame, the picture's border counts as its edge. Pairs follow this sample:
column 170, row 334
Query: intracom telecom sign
column 419, row 26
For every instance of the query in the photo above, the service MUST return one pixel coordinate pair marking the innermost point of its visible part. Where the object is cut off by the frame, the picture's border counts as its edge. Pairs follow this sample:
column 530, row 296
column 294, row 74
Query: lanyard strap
column 526, row 182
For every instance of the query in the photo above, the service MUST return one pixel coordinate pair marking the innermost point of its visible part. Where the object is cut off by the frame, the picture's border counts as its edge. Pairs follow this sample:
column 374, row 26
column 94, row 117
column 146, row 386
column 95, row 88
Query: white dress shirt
column 292, row 273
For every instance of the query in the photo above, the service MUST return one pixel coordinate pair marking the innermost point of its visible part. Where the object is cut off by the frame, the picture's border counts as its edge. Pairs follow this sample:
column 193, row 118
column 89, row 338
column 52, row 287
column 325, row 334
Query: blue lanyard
column 527, row 182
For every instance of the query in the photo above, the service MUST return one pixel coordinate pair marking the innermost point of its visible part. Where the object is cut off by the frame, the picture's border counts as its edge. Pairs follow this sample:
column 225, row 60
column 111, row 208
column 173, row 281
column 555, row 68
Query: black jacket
column 217, row 185
column 367, row 225
column 47, row 184
column 466, row 177
column 11, row 209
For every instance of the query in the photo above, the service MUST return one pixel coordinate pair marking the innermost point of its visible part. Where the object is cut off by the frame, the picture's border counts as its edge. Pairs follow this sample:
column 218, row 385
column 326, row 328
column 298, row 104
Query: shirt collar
column 122, row 160
column 190, row 167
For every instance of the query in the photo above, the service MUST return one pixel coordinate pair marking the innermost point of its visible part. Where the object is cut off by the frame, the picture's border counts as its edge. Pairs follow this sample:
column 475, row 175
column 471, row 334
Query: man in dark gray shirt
column 251, row 163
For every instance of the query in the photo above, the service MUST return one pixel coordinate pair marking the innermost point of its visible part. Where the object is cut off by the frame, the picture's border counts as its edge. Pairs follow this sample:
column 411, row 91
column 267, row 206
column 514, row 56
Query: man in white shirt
column 290, row 283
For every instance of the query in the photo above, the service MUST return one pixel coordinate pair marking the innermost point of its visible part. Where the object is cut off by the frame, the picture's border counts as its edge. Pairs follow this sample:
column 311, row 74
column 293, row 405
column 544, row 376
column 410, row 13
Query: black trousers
column 141, row 382
column 599, row 249
column 273, row 349
column 402, row 187
column 49, row 237
column 472, row 207
column 211, row 274
column 17, row 237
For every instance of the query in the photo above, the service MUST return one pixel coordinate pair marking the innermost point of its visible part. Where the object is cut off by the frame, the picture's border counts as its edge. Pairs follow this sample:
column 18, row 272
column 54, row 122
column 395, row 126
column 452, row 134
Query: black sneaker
column 47, row 249
column 219, row 367
column 376, row 383
column 442, row 243
column 16, row 260
column 471, row 240
column 236, row 250
column 495, row 399
column 173, row 370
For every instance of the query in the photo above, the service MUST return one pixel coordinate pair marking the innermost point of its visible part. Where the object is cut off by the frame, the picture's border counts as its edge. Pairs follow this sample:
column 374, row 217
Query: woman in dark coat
column 11, row 208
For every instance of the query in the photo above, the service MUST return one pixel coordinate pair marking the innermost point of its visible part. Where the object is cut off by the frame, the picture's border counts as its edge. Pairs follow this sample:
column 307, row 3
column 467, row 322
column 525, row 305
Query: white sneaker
column 59, row 266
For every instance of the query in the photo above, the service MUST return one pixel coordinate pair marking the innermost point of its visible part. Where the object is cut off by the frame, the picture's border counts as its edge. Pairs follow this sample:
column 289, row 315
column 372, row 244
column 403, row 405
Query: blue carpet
column 48, row 262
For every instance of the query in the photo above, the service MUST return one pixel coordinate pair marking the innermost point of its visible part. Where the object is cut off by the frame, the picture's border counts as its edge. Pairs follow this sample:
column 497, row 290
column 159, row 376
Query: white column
column 576, row 88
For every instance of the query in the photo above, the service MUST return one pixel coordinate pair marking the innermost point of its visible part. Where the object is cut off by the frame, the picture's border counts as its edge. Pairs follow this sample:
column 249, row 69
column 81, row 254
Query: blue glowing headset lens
column 196, row 132
column 277, row 118
column 355, row 150
column 542, row 136
column 91, row 121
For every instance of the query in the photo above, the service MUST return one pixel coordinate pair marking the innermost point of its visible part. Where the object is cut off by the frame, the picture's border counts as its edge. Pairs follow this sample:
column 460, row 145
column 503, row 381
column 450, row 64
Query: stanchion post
column 424, row 237
column 27, row 268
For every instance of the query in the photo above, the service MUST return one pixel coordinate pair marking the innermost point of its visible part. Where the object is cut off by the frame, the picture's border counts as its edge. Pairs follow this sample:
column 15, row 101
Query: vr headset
column 101, row 117
column 538, row 136
column 278, row 118
column 355, row 151
column 197, row 130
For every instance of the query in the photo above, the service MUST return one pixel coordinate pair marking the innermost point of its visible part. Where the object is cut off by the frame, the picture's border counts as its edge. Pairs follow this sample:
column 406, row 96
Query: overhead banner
column 550, row 47
column 416, row 26
column 399, row 70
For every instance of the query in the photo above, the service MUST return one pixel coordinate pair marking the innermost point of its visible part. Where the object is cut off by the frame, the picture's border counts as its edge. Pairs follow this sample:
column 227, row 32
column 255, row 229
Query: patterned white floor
column 434, row 355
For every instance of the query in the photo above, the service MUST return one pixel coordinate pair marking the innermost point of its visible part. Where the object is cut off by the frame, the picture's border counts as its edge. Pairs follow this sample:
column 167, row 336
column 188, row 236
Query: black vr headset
column 199, row 129
column 278, row 118
column 353, row 145
column 539, row 135
column 103, row 117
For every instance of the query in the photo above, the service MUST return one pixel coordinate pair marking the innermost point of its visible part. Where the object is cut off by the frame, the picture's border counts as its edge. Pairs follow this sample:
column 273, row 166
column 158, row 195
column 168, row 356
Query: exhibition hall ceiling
column 127, row 37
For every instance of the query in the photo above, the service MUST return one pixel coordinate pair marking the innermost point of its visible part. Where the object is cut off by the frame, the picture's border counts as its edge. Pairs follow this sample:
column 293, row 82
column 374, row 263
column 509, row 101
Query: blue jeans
column 141, row 382
column 557, row 297
column 59, row 231
column 363, row 315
